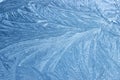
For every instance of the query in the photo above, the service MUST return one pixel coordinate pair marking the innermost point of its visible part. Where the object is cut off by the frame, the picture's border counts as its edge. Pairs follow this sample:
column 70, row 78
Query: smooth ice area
column 59, row 39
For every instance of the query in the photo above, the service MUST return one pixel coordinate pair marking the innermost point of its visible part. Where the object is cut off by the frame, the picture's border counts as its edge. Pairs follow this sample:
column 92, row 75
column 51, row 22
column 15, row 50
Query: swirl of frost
column 59, row 40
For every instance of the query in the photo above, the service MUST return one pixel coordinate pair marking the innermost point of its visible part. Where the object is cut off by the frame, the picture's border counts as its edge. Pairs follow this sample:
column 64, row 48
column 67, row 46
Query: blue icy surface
column 59, row 39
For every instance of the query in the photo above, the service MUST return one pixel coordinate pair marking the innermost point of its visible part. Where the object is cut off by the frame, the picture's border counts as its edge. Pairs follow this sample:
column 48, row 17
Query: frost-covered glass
column 59, row 39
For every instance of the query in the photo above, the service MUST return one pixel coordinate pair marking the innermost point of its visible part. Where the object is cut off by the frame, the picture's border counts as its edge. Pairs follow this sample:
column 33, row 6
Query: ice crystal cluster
column 59, row 39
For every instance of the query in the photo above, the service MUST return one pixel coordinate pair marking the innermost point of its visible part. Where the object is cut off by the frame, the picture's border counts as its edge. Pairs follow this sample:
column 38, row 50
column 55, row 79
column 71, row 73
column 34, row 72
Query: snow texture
column 59, row 39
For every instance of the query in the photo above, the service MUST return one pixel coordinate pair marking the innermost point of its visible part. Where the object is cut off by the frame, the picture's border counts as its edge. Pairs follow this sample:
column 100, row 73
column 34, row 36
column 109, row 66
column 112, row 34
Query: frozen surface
column 59, row 39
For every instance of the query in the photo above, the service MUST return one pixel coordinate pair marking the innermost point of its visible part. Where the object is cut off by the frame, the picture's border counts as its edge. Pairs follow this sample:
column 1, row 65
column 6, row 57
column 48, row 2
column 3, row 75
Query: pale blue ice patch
column 59, row 39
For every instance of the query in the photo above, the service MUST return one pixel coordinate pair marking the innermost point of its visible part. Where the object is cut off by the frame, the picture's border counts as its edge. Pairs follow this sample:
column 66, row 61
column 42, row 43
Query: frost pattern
column 59, row 39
